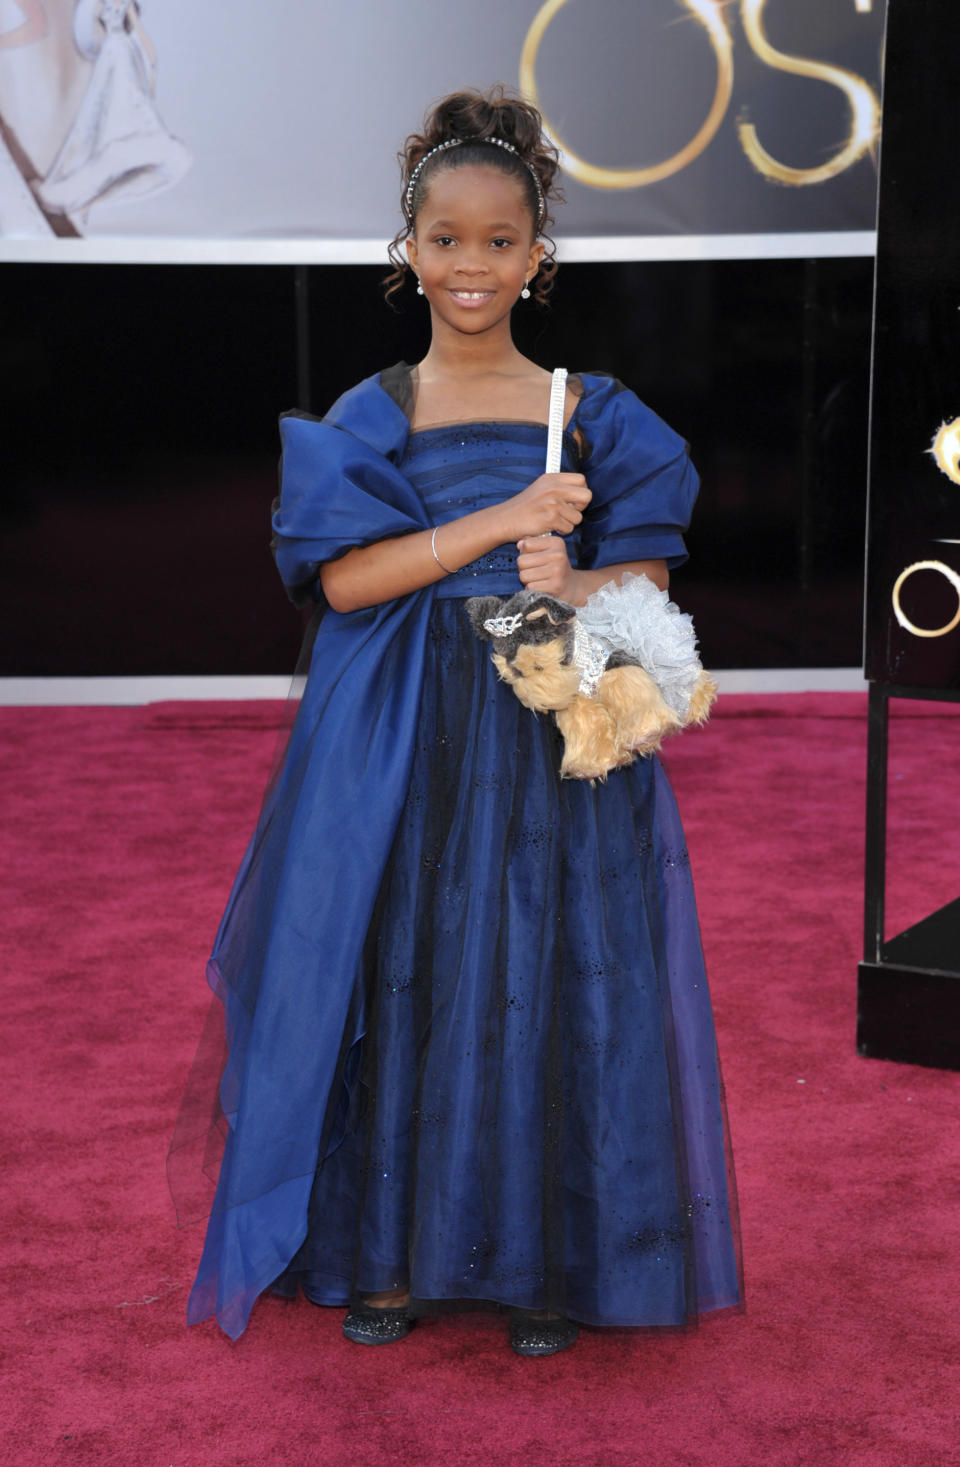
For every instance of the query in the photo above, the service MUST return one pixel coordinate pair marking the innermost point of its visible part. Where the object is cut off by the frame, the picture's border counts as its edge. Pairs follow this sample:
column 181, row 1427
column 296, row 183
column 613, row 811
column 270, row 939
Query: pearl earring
column 419, row 288
column 525, row 293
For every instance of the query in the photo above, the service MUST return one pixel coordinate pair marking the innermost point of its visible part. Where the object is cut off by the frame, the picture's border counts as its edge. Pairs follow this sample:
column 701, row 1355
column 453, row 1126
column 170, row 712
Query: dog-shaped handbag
column 615, row 696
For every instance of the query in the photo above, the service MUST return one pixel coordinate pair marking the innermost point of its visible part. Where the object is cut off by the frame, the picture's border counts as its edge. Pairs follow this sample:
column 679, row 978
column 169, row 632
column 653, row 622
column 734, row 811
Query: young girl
column 471, row 1051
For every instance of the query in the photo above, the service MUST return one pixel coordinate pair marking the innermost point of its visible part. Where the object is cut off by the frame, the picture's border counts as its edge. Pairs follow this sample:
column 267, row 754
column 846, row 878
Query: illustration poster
column 271, row 131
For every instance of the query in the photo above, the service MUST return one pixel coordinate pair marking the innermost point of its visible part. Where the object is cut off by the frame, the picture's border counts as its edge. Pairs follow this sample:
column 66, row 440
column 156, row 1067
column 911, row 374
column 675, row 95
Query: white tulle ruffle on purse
column 638, row 618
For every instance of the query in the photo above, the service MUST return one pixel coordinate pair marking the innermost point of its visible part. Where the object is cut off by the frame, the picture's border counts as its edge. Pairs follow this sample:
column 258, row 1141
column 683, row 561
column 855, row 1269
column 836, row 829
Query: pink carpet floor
column 122, row 831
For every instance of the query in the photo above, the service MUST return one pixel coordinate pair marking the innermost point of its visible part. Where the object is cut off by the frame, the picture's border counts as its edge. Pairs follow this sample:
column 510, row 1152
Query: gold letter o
column 952, row 577
column 711, row 18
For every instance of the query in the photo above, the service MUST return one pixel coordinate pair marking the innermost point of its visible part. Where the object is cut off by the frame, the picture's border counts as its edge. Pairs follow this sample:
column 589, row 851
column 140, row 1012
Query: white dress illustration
column 117, row 147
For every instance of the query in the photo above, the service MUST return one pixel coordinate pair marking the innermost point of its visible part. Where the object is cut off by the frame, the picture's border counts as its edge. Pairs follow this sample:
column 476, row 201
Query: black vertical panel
column 908, row 989
column 914, row 506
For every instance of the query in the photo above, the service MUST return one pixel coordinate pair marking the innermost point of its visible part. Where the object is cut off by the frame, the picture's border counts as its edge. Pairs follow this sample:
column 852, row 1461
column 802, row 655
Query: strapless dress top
column 459, row 468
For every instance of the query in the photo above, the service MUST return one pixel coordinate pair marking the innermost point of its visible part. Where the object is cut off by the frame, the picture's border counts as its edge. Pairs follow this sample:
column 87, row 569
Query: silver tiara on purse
column 502, row 626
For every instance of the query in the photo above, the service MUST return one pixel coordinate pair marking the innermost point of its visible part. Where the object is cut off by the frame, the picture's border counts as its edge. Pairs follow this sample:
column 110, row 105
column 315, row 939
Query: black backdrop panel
column 138, row 446
column 914, row 506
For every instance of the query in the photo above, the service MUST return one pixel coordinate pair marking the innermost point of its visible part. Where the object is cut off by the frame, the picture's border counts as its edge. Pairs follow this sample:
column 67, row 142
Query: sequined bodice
column 463, row 467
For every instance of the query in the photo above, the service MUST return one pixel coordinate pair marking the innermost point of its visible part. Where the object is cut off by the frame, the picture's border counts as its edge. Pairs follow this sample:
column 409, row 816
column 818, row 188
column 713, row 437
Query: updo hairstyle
column 474, row 117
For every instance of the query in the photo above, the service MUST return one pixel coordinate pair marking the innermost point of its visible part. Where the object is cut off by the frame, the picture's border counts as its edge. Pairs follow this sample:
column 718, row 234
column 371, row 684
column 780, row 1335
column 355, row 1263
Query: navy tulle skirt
column 533, row 1115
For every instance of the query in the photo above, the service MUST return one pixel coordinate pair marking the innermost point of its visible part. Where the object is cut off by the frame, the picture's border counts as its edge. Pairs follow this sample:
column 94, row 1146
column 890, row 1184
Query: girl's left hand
column 543, row 565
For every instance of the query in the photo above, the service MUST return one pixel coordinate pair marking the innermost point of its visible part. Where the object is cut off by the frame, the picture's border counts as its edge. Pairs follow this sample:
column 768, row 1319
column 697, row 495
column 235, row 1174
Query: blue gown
column 470, row 1042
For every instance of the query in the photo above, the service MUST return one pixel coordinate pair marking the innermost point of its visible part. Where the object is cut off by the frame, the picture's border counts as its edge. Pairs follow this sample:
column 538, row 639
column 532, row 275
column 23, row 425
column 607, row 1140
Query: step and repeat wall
column 195, row 201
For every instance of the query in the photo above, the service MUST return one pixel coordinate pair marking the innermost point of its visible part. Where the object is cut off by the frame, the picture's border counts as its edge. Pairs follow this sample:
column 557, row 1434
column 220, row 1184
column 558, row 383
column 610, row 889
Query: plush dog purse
column 619, row 673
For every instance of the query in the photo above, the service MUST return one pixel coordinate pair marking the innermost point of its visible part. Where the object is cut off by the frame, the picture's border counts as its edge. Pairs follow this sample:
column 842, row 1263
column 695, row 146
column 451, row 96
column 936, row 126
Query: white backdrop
column 233, row 130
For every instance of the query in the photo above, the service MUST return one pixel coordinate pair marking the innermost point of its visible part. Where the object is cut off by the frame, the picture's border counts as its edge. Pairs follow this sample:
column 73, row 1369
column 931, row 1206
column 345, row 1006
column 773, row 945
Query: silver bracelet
column 433, row 547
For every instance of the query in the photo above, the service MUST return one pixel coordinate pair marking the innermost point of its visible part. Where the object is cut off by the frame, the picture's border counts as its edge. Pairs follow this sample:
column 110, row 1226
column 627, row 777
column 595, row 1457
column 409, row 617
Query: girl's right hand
column 554, row 503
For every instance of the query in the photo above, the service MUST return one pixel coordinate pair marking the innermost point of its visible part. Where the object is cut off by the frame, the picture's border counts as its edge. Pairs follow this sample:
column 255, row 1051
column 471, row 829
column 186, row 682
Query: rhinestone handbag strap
column 558, row 401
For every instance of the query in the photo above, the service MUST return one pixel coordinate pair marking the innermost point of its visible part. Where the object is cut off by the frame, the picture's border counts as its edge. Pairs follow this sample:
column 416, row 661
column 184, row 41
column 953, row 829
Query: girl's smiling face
column 474, row 246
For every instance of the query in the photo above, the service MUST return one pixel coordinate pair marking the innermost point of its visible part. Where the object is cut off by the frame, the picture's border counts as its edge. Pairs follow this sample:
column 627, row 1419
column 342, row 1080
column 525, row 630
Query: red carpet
column 122, row 832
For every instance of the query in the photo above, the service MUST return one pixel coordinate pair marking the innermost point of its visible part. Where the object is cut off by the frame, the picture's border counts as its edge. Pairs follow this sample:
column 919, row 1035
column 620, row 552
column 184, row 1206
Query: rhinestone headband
column 456, row 143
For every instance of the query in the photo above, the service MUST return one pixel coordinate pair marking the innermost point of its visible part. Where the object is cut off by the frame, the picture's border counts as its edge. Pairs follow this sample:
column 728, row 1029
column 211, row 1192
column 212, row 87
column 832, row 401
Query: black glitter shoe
column 365, row 1324
column 532, row 1336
